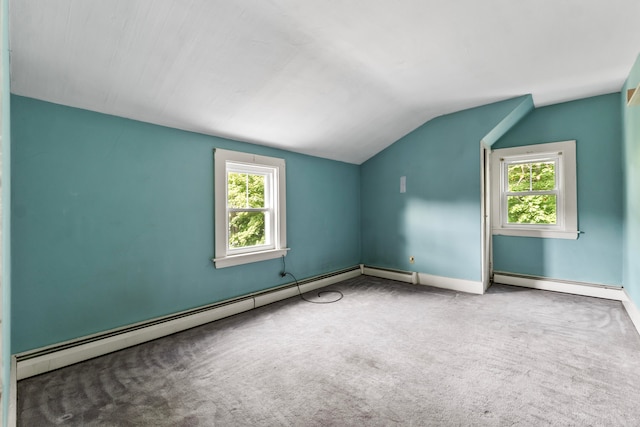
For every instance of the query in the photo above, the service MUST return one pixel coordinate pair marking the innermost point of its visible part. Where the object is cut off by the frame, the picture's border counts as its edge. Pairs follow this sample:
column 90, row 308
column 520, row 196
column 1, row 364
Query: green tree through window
column 527, row 207
column 246, row 192
column 250, row 208
column 533, row 190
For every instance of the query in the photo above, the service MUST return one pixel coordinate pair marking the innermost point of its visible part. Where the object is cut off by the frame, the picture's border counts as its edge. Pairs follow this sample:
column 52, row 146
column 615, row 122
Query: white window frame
column 564, row 155
column 273, row 168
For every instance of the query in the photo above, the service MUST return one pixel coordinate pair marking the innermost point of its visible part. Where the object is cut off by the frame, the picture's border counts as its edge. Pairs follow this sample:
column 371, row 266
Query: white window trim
column 228, row 258
column 567, row 214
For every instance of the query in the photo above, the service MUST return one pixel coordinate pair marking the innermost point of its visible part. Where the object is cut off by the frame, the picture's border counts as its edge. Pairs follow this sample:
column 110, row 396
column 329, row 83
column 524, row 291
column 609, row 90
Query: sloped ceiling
column 337, row 79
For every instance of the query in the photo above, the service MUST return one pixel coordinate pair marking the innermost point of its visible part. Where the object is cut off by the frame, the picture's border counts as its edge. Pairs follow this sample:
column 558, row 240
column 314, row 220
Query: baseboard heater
column 566, row 286
column 53, row 357
column 417, row 278
column 390, row 273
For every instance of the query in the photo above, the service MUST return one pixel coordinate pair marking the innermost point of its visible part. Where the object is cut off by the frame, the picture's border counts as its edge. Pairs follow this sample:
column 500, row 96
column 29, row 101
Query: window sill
column 549, row 234
column 230, row 261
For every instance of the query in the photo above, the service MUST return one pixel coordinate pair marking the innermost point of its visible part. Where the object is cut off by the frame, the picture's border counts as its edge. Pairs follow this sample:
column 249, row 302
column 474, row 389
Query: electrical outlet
column 411, row 260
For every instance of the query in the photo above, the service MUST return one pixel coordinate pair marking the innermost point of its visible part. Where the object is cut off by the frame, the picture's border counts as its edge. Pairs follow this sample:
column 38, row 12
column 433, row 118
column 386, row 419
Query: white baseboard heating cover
column 556, row 285
column 46, row 359
column 461, row 285
column 391, row 274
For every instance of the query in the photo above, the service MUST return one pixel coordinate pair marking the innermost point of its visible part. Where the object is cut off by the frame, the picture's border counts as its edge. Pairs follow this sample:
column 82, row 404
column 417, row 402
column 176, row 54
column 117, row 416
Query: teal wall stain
column 6, row 213
column 113, row 222
column 438, row 219
column 509, row 121
column 631, row 138
column 596, row 256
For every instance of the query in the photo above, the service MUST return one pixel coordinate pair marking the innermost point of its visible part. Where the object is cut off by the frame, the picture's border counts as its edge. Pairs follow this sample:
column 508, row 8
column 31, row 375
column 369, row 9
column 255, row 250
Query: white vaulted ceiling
column 336, row 79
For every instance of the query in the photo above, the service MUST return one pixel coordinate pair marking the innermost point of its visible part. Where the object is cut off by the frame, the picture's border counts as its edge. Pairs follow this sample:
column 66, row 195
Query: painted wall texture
column 113, row 218
column 596, row 256
column 631, row 137
column 5, row 171
column 437, row 220
column 113, row 222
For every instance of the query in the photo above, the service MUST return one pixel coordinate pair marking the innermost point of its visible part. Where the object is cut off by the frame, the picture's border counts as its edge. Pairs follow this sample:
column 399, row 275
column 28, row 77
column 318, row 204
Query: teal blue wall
column 513, row 118
column 438, row 219
column 596, row 256
column 112, row 218
column 631, row 137
column 6, row 213
column 113, row 222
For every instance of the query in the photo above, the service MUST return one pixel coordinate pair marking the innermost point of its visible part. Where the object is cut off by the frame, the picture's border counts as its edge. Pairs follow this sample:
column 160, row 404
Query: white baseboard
column 426, row 279
column 321, row 283
column 632, row 310
column 461, row 285
column 275, row 296
column 12, row 415
column 306, row 286
column 46, row 359
column 577, row 288
column 78, row 353
column 397, row 275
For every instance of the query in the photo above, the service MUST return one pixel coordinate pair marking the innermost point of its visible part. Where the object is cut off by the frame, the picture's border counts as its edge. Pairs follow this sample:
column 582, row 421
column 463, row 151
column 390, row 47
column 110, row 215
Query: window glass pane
column 245, row 190
column 537, row 176
column 519, row 175
column 532, row 209
column 246, row 229
column 543, row 176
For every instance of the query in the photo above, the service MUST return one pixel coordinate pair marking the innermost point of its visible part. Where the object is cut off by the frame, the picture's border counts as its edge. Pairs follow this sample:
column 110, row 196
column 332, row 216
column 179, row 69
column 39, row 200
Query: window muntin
column 249, row 208
column 531, row 191
column 532, row 175
column 534, row 191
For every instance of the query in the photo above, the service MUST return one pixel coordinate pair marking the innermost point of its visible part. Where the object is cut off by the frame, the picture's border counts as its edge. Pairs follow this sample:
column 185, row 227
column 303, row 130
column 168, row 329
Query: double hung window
column 249, row 208
column 534, row 190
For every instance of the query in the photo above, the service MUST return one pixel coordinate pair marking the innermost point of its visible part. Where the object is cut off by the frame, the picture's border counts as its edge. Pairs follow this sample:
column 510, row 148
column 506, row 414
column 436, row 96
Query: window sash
column 566, row 208
column 242, row 162
column 271, row 216
column 249, row 210
column 505, row 194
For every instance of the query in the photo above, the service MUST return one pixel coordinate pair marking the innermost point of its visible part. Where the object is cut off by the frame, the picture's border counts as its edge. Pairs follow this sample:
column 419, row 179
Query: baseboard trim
column 460, row 285
column 417, row 278
column 305, row 286
column 49, row 358
column 387, row 273
column 632, row 311
column 29, row 366
column 321, row 282
column 12, row 415
column 568, row 287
